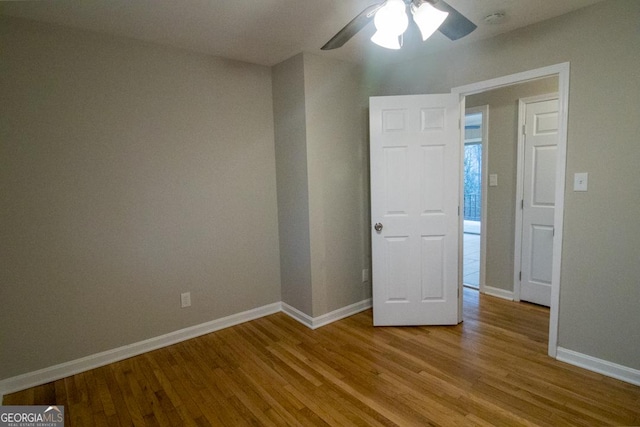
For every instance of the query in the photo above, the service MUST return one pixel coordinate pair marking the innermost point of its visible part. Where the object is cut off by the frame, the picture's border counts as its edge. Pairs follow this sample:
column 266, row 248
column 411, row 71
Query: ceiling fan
column 391, row 21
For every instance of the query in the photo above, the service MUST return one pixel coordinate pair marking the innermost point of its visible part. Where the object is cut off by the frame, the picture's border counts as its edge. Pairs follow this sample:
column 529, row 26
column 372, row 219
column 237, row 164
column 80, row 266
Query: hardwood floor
column 490, row 370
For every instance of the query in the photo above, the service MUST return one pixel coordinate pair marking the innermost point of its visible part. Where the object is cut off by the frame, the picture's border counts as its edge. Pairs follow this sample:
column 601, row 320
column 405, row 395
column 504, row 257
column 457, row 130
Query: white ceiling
column 269, row 31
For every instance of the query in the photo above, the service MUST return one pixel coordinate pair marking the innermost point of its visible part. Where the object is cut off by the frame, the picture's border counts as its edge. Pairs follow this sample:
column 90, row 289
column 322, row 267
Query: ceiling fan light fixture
column 392, row 18
column 451, row 23
column 386, row 40
column 428, row 18
column 391, row 21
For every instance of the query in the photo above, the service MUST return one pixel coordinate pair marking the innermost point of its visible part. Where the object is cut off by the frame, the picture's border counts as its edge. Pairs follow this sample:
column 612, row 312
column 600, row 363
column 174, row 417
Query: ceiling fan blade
column 352, row 28
column 456, row 25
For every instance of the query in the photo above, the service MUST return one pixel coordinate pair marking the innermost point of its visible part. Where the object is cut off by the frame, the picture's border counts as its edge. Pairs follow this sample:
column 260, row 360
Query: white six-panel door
column 415, row 172
column 538, row 205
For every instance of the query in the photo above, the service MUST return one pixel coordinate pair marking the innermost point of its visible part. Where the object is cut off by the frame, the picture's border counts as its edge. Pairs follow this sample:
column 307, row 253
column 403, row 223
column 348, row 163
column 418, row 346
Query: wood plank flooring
column 490, row 370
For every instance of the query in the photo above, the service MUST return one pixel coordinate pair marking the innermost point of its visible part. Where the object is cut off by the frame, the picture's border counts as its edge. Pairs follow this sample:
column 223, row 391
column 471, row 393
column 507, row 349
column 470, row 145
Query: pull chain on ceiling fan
column 391, row 21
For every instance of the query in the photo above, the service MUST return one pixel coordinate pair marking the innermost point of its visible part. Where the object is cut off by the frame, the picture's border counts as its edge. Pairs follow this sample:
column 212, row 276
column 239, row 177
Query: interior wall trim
column 298, row 315
column 497, row 292
column 63, row 370
column 66, row 369
column 325, row 319
column 341, row 313
column 604, row 367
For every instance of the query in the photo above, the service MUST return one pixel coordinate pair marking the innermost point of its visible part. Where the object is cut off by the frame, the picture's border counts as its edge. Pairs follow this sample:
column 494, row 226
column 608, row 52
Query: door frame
column 561, row 70
column 517, row 249
column 484, row 109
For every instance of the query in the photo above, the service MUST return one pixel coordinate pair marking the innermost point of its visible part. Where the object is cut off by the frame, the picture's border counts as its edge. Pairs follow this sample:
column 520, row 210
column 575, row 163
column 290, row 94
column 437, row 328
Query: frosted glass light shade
column 391, row 21
column 390, row 41
column 392, row 18
column 428, row 19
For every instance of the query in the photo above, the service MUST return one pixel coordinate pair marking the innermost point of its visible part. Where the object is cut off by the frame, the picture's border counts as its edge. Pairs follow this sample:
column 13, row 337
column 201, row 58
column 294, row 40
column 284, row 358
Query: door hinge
column 520, row 276
column 524, row 129
column 522, row 204
column 458, row 210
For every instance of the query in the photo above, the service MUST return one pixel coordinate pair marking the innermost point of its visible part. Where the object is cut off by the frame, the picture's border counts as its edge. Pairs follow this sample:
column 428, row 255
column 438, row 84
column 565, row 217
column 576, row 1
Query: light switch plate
column 185, row 299
column 493, row 180
column 580, row 181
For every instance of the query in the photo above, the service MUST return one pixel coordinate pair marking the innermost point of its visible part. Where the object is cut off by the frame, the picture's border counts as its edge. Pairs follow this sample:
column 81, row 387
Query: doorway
column 474, row 189
column 501, row 165
column 561, row 72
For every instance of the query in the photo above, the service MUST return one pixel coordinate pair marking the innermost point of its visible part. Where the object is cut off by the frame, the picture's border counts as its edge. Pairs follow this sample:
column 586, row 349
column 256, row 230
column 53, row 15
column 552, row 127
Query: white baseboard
column 325, row 319
column 341, row 313
column 296, row 314
column 497, row 292
column 604, row 367
column 63, row 370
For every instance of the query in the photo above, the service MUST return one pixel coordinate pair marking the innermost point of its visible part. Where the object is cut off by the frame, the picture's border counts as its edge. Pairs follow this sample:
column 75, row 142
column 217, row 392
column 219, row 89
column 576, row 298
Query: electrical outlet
column 580, row 181
column 185, row 299
column 365, row 275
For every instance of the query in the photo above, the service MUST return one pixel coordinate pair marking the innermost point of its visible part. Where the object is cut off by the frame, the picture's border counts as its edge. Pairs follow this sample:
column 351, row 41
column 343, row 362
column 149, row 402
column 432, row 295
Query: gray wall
column 320, row 111
column 293, row 189
column 600, row 277
column 501, row 160
column 337, row 156
column 129, row 173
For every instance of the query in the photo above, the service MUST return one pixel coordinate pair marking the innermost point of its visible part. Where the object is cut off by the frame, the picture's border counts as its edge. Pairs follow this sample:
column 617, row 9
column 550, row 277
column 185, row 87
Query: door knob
column 378, row 227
